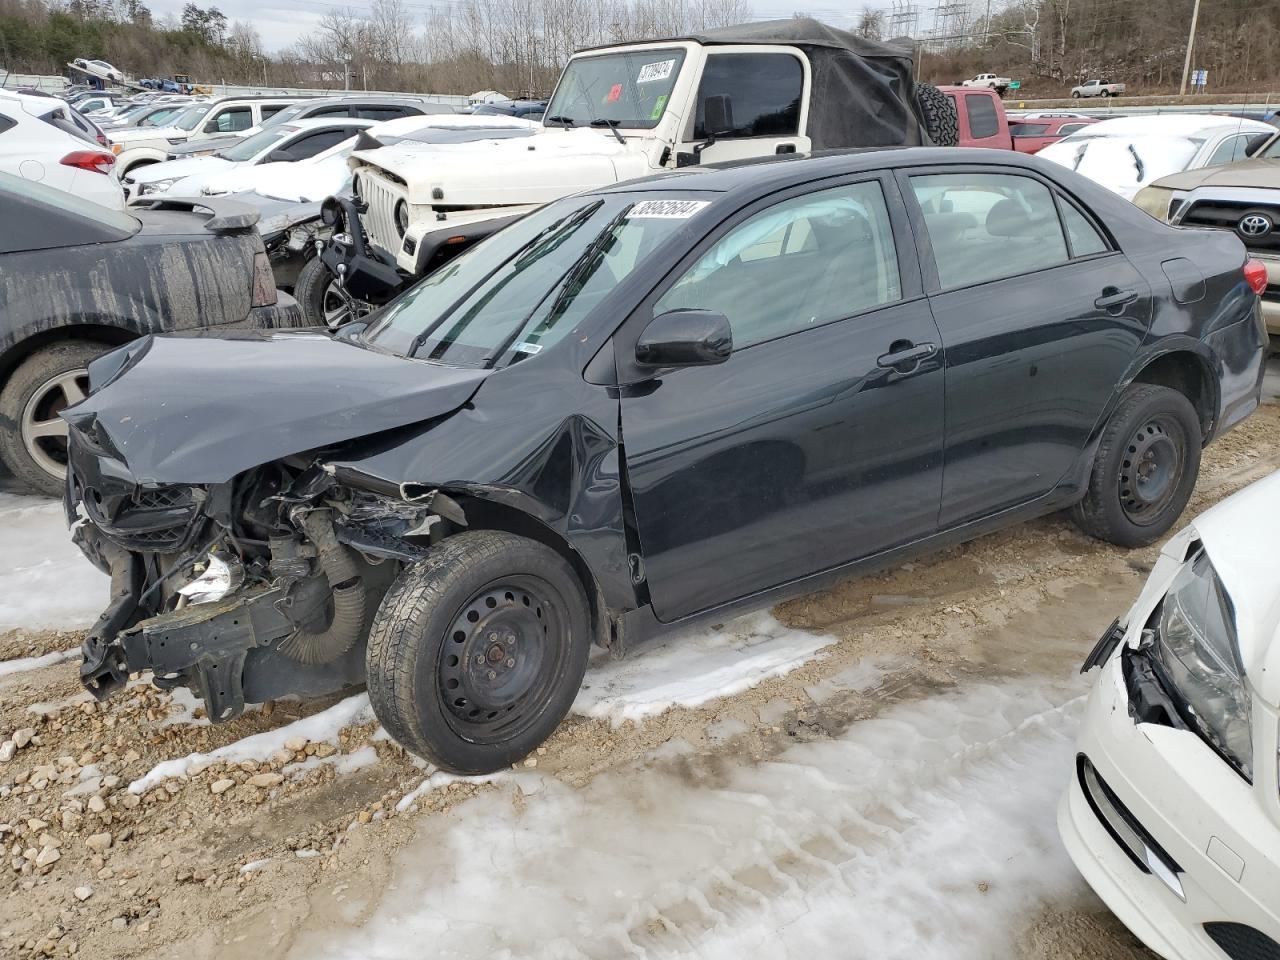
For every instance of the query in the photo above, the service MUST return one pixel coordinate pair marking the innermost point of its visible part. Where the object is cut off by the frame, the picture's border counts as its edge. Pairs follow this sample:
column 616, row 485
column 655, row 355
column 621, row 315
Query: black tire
column 1144, row 470
column 939, row 115
column 1106, row 93
column 1075, row 95
column 476, row 653
column 33, row 395
column 313, row 290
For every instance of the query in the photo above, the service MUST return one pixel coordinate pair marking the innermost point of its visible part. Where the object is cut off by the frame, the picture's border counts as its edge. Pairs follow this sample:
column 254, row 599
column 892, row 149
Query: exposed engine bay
column 259, row 587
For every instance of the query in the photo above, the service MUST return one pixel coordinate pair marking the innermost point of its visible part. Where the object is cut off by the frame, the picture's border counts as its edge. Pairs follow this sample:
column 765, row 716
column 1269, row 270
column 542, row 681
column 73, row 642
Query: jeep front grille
column 381, row 195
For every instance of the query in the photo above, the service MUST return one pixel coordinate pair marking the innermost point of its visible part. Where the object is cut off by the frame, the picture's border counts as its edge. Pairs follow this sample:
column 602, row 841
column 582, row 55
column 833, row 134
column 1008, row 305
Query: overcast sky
column 281, row 23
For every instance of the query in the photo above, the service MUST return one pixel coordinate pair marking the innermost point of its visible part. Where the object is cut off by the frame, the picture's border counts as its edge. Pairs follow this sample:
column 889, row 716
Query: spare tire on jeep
column 938, row 112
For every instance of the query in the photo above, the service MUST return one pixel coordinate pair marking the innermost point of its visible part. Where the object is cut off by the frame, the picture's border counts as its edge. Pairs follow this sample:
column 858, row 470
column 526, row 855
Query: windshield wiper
column 517, row 259
column 596, row 248
column 558, row 120
column 613, row 128
column 1137, row 162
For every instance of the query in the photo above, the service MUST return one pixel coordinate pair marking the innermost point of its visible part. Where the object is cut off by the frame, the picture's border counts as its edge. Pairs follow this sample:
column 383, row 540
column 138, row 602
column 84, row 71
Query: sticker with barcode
column 666, row 209
column 656, row 71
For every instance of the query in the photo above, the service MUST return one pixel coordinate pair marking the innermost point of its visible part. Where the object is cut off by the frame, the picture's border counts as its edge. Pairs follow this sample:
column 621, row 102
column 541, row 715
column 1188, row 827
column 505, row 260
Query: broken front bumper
column 1220, row 833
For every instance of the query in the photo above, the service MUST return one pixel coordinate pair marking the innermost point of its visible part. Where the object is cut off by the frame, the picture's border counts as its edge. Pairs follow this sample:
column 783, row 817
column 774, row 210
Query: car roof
column 765, row 174
column 1173, row 125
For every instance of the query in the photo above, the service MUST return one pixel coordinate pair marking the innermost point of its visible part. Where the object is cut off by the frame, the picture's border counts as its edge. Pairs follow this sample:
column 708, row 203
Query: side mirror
column 279, row 156
column 685, row 338
column 211, row 126
column 717, row 114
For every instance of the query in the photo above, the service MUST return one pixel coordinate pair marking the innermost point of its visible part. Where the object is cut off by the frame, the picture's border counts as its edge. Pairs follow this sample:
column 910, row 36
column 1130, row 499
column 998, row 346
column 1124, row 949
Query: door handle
column 904, row 354
column 784, row 148
column 1113, row 297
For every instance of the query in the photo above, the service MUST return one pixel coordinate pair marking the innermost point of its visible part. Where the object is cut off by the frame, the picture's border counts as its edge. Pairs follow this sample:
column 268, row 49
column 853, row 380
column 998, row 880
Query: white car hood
column 131, row 134
column 1240, row 535
column 303, row 181
column 1110, row 161
column 170, row 169
column 520, row 170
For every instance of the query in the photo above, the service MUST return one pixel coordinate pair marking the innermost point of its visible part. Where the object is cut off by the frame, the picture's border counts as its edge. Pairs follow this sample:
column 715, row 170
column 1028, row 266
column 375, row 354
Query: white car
column 99, row 68
column 1124, row 154
column 39, row 141
column 279, row 143
column 1173, row 814
column 988, row 81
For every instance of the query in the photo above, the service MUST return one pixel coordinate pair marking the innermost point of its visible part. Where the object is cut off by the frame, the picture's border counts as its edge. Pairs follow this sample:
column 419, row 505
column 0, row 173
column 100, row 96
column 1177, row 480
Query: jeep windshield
column 523, row 289
column 629, row 89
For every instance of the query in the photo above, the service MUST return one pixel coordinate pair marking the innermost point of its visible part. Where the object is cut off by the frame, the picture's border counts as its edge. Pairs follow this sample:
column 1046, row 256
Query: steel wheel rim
column 501, row 659
column 1150, row 471
column 44, row 433
column 333, row 305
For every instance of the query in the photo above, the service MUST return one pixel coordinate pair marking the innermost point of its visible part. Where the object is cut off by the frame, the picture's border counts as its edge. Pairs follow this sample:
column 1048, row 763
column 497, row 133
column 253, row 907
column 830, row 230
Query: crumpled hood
column 301, row 180
column 176, row 169
column 1122, row 164
column 1246, row 173
column 520, row 170
column 1240, row 535
column 201, row 409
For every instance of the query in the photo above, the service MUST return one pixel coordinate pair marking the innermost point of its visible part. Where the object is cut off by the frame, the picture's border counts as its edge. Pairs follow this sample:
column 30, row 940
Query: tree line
column 519, row 46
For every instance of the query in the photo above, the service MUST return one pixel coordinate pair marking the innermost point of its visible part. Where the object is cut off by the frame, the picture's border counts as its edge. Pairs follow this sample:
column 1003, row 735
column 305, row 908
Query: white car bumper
column 1222, row 832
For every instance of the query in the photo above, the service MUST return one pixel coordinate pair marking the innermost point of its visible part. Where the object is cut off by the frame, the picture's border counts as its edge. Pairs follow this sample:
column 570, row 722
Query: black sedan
column 77, row 279
column 658, row 402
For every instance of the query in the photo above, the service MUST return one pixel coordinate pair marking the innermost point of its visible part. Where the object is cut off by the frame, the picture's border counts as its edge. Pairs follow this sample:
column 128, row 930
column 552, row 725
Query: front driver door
column 749, row 103
column 820, row 439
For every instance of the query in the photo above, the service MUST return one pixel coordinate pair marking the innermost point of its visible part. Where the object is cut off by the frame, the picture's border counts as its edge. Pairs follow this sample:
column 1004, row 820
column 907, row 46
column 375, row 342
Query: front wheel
column 476, row 653
column 1075, row 94
column 316, row 291
column 1144, row 470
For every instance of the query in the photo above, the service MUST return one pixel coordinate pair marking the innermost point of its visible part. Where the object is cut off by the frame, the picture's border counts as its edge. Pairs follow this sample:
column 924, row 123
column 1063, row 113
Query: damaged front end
column 255, row 588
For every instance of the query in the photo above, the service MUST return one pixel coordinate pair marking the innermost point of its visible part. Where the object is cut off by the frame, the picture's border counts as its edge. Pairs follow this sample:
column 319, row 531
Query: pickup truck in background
column 980, row 117
column 988, row 81
column 1097, row 88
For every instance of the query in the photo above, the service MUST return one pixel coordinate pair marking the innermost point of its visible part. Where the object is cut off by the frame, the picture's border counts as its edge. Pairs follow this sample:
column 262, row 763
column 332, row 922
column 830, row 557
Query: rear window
column 1028, row 129
column 983, row 121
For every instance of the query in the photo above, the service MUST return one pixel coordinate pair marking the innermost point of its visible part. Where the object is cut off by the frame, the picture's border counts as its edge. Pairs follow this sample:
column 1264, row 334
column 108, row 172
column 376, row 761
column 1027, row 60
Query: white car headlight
column 1197, row 651
column 156, row 186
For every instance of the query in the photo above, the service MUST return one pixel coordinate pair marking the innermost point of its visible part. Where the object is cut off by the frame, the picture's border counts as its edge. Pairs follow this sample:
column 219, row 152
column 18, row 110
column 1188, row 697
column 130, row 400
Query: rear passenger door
column 819, row 441
column 1039, row 315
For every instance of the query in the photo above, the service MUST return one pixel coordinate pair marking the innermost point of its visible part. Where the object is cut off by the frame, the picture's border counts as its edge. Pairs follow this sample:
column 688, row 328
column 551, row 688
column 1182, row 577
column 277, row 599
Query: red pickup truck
column 983, row 123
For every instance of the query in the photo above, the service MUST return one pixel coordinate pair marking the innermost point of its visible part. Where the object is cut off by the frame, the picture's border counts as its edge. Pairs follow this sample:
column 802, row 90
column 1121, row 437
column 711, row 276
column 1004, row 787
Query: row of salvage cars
column 665, row 400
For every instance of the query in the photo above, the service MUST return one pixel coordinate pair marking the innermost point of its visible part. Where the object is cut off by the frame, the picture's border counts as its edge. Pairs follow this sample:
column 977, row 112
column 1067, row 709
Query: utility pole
column 1191, row 41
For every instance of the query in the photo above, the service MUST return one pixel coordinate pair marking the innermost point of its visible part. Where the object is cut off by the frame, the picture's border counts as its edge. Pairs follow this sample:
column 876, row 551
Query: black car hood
column 201, row 409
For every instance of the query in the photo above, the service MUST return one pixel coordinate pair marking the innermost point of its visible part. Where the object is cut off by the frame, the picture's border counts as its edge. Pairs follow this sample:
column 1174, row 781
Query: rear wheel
column 1145, row 468
column 939, row 115
column 1075, row 94
column 33, row 440
column 476, row 654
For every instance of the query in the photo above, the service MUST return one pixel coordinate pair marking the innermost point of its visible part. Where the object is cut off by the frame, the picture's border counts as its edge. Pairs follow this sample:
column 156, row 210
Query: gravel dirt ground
column 880, row 784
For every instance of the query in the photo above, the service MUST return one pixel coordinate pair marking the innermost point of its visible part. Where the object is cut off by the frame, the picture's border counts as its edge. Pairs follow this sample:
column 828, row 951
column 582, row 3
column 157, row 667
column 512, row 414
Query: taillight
column 1255, row 274
column 93, row 160
column 264, row 282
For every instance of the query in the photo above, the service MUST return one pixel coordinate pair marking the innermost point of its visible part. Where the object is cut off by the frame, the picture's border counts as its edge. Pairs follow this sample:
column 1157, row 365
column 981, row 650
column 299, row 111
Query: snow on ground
column 926, row 832
column 45, row 582
column 319, row 727
column 35, row 663
column 690, row 669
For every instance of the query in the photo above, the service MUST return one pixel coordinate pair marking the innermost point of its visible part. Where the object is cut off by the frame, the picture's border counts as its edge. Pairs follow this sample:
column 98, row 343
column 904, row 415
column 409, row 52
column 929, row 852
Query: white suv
column 135, row 147
column 39, row 142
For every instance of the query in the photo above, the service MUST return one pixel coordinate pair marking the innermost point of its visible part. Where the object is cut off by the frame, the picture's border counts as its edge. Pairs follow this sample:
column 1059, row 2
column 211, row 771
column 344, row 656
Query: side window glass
column 235, row 119
column 1229, row 151
column 984, row 226
column 1069, row 128
column 983, row 121
column 803, row 262
column 338, row 110
column 759, row 93
column 318, row 143
column 1084, row 237
column 381, row 113
column 6, row 123
column 271, row 109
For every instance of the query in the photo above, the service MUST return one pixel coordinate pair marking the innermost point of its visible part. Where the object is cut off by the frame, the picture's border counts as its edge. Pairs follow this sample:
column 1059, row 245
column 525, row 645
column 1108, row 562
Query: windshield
column 632, row 88
column 159, row 118
column 250, row 147
column 191, row 118
column 524, row 288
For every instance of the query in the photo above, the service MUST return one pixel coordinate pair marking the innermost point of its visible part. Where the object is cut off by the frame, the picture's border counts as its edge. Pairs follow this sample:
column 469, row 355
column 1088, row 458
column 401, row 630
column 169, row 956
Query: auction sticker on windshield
column 656, row 71
column 666, row 209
